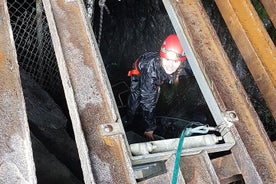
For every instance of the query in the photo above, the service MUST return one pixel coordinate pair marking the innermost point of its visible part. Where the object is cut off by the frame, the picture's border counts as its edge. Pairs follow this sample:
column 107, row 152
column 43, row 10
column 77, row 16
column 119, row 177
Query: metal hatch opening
column 145, row 155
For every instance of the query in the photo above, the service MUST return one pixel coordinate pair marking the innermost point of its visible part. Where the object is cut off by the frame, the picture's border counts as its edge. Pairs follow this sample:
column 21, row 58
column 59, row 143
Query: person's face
column 170, row 66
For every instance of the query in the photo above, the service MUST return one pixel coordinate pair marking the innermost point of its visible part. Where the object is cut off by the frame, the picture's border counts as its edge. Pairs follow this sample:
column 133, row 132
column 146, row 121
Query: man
column 151, row 70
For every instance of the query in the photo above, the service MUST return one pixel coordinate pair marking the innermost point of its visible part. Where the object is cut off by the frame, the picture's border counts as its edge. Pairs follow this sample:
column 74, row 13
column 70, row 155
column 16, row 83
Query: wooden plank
column 95, row 118
column 16, row 157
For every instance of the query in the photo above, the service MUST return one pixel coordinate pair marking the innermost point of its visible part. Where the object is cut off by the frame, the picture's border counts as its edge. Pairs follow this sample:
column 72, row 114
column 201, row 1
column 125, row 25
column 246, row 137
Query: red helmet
column 172, row 49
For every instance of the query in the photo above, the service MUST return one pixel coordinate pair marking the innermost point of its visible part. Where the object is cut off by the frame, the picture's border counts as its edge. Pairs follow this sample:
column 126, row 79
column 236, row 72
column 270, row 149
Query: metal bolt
column 108, row 128
column 232, row 115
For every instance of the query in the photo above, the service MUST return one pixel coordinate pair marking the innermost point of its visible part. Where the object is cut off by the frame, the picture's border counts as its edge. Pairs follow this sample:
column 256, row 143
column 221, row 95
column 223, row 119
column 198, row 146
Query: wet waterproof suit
column 145, row 87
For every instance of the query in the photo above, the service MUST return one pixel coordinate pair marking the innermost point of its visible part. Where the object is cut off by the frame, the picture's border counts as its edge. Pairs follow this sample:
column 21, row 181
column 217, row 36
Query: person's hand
column 149, row 135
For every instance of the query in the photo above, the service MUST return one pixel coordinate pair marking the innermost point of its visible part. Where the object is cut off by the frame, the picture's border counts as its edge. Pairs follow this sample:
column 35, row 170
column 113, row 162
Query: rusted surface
column 198, row 169
column 255, row 45
column 254, row 151
column 166, row 177
column 89, row 97
column 227, row 168
column 270, row 7
column 16, row 158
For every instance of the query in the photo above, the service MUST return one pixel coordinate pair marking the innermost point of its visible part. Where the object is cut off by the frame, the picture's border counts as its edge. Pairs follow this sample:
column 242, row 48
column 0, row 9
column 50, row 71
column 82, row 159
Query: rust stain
column 109, row 141
column 2, row 58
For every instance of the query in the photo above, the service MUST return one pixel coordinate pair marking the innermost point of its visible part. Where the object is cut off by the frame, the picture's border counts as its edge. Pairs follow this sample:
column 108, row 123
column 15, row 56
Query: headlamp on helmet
column 172, row 49
column 171, row 55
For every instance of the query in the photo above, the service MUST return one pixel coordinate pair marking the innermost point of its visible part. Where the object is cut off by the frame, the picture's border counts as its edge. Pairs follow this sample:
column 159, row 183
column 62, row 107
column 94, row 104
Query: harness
column 135, row 70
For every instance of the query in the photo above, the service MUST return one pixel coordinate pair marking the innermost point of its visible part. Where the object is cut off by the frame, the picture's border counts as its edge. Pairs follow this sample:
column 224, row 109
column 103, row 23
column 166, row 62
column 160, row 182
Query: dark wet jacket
column 145, row 87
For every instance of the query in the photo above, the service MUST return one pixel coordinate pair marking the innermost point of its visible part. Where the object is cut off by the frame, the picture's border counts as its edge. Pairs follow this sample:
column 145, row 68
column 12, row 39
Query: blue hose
column 178, row 156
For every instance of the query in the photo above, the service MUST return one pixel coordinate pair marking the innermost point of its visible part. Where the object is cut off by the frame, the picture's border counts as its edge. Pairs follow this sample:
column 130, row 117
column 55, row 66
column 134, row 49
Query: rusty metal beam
column 16, row 157
column 97, row 126
column 198, row 169
column 253, row 150
column 255, row 45
column 270, row 7
column 227, row 168
column 166, row 177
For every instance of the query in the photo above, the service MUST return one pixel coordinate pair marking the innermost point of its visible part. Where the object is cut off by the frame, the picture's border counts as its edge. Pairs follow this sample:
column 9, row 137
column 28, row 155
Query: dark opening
column 129, row 29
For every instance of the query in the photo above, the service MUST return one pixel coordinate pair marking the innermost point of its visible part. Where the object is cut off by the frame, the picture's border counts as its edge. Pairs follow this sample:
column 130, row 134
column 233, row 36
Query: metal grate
column 33, row 43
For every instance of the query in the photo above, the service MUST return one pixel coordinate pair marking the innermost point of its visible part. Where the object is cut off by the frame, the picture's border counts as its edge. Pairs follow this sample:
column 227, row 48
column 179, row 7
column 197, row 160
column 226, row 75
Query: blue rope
column 178, row 156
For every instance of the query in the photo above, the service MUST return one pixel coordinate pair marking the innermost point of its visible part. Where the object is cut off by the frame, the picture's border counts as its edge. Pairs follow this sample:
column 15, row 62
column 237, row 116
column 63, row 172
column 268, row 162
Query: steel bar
column 16, row 156
column 255, row 45
column 198, row 169
column 97, row 126
column 253, row 150
column 227, row 168
column 166, row 177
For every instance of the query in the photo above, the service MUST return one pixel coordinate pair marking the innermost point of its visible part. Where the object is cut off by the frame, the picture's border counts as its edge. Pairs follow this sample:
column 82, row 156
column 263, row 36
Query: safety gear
column 145, row 87
column 135, row 70
column 172, row 49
